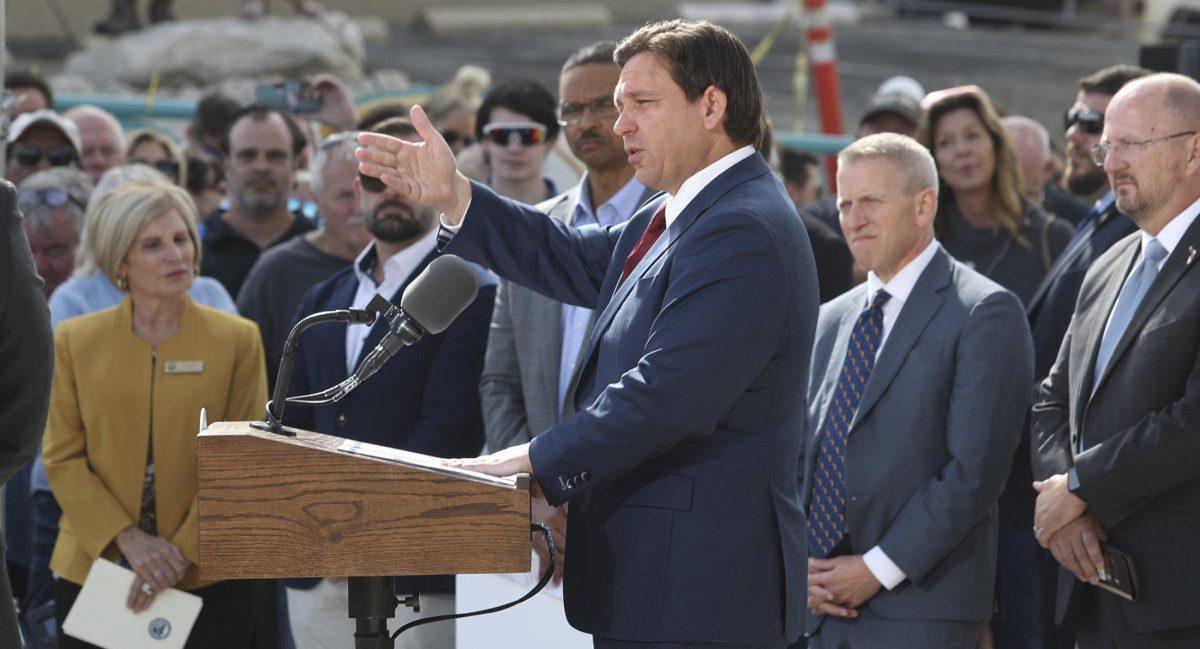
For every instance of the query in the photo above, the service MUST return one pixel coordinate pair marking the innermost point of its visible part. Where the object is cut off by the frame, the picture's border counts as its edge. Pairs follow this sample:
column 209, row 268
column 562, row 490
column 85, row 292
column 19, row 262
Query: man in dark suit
column 920, row 383
column 679, row 466
column 27, row 347
column 801, row 172
column 532, row 363
column 426, row 399
column 1028, row 574
column 1115, row 441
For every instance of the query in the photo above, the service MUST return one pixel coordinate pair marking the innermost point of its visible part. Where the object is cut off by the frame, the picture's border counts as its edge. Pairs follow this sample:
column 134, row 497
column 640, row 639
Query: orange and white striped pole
column 823, row 61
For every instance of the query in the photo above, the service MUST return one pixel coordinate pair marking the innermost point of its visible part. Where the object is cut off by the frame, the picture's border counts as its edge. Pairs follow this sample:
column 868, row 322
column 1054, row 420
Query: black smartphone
column 293, row 96
column 1119, row 576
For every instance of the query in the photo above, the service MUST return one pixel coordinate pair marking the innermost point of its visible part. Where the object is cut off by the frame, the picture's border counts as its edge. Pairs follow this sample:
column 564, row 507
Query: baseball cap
column 894, row 101
column 25, row 121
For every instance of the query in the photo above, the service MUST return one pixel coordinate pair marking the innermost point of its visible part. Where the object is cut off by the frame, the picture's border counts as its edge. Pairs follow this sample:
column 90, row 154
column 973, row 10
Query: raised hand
column 423, row 171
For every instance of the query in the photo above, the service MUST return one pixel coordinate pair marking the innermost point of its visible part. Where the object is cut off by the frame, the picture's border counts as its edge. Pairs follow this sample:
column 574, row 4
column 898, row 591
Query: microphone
column 430, row 303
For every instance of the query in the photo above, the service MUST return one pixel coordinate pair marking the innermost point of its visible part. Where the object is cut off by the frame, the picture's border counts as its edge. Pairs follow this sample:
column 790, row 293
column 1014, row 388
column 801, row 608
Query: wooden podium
column 318, row 506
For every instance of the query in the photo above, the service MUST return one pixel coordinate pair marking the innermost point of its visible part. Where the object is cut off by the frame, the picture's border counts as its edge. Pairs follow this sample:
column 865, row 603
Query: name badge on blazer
column 183, row 367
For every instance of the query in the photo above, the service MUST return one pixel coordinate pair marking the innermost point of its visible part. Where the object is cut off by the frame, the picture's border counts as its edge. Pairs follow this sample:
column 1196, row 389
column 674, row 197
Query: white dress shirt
column 900, row 287
column 1168, row 238
column 691, row 187
column 396, row 270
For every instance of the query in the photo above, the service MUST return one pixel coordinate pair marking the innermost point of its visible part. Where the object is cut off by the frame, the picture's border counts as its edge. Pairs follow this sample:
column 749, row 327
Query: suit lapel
column 1077, row 247
column 746, row 170
column 1092, row 329
column 381, row 327
column 1176, row 266
column 924, row 301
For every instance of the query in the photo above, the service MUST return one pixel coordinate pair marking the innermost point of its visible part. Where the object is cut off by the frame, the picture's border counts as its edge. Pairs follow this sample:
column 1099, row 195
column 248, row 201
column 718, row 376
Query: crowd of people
column 966, row 270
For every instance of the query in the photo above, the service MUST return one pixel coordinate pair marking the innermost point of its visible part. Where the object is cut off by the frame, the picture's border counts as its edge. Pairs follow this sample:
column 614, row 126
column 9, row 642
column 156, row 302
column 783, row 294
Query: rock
column 205, row 52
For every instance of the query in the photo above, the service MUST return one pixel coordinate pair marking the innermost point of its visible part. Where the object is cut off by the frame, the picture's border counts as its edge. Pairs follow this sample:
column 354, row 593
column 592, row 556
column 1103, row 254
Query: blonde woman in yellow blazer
column 129, row 383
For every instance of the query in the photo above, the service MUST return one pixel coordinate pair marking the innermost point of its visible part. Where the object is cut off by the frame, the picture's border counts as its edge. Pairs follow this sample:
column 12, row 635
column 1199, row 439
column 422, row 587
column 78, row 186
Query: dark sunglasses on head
column 28, row 155
column 527, row 134
column 169, row 168
column 454, row 138
column 1089, row 121
column 52, row 197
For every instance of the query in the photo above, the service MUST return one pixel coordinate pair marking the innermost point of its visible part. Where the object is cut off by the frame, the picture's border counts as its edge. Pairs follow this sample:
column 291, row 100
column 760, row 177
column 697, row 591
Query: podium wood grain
column 273, row 507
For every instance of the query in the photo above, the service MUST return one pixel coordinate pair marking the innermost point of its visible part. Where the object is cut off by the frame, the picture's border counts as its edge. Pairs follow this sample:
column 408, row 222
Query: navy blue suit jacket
column 680, row 462
column 425, row 399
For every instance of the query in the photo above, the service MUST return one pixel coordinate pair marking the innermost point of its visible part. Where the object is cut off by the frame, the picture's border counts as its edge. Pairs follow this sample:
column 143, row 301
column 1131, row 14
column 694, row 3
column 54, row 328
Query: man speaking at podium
column 680, row 463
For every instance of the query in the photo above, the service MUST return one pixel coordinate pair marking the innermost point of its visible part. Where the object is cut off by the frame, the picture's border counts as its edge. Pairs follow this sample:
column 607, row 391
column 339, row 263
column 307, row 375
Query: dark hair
column 1006, row 178
column 15, row 80
column 380, row 113
column 700, row 54
column 203, row 173
column 796, row 165
column 1111, row 79
column 598, row 52
column 258, row 113
column 213, row 117
column 520, row 96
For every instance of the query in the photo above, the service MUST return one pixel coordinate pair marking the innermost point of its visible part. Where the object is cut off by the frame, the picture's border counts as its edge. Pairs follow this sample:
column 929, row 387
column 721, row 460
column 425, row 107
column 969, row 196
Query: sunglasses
column 28, row 155
column 454, row 138
column 169, row 168
column 503, row 133
column 54, row 198
column 1089, row 121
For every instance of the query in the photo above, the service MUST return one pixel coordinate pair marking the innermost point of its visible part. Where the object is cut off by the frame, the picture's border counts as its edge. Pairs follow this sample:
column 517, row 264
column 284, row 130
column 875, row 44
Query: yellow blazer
column 110, row 392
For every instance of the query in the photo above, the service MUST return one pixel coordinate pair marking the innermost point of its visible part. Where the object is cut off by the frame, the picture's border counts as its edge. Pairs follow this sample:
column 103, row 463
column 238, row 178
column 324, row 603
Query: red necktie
column 653, row 231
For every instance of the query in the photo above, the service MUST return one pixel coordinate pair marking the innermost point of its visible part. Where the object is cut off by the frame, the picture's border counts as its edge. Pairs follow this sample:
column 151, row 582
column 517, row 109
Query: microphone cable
column 546, row 577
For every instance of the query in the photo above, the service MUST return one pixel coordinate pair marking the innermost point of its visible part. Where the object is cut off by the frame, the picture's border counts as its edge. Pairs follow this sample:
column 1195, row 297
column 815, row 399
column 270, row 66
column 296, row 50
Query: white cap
column 902, row 85
column 45, row 116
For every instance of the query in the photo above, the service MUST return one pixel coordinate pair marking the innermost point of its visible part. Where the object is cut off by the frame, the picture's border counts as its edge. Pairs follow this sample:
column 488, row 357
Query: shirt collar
column 693, row 186
column 625, row 201
column 901, row 285
column 403, row 262
column 1171, row 234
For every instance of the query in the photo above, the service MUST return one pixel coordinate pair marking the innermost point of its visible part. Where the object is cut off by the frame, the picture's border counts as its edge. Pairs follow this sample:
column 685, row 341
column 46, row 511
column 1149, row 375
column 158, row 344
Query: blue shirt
column 82, row 295
column 575, row 319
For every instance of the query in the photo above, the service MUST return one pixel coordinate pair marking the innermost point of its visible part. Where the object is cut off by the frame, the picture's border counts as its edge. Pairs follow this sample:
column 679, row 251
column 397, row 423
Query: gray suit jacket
column 27, row 347
column 1140, row 472
column 521, row 370
column 932, row 441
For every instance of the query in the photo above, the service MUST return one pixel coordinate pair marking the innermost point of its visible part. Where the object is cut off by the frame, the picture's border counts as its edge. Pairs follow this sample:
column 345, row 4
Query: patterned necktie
column 658, row 224
column 1131, row 295
column 827, row 512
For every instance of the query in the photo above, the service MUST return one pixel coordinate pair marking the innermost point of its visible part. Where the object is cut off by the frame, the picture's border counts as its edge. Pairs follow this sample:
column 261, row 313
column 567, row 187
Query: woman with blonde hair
column 153, row 149
column 129, row 384
column 982, row 219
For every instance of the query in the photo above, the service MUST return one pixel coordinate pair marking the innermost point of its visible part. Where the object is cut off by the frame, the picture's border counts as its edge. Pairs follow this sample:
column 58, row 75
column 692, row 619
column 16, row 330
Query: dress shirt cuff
column 453, row 229
column 1073, row 482
column 887, row 572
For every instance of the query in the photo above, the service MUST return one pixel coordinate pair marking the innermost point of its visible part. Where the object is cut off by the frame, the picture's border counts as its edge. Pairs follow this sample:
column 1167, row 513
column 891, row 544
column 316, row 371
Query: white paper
column 423, row 461
column 99, row 615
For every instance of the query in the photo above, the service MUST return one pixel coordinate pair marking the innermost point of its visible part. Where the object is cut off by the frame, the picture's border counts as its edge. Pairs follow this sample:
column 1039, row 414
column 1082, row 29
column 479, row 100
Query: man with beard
column 1027, row 574
column 535, row 342
column 1115, row 432
column 426, row 399
column 260, row 152
column 284, row 274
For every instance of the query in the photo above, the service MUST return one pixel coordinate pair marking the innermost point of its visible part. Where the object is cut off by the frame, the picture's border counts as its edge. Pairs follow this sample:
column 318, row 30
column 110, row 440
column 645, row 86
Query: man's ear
column 715, row 104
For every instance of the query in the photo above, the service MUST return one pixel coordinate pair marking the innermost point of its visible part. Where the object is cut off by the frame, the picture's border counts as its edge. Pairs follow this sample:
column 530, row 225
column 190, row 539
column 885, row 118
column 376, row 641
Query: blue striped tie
column 827, row 512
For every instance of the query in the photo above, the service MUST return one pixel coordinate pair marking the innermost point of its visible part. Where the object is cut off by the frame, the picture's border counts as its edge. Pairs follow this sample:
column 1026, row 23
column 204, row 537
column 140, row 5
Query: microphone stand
column 274, row 415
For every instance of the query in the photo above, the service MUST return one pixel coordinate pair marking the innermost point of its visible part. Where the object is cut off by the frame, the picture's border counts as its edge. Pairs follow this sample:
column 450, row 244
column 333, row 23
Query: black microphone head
column 441, row 292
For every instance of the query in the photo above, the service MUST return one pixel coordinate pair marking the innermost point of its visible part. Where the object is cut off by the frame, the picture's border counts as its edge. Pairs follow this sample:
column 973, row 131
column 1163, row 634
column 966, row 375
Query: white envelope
column 100, row 616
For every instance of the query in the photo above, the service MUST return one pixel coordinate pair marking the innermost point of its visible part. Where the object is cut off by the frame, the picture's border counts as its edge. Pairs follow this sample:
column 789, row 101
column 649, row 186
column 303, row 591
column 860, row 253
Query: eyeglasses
column 1101, row 151
column 1089, row 121
column 169, row 168
column 28, row 155
column 454, row 138
column 572, row 113
column 505, row 133
column 27, row 199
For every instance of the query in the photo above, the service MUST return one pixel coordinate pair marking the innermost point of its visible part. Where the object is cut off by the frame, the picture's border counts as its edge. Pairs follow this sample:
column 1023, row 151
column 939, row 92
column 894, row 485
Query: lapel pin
column 1191, row 255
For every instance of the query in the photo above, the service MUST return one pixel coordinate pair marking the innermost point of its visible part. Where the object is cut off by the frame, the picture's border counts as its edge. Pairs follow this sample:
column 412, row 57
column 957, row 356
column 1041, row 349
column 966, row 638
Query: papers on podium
column 99, row 615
